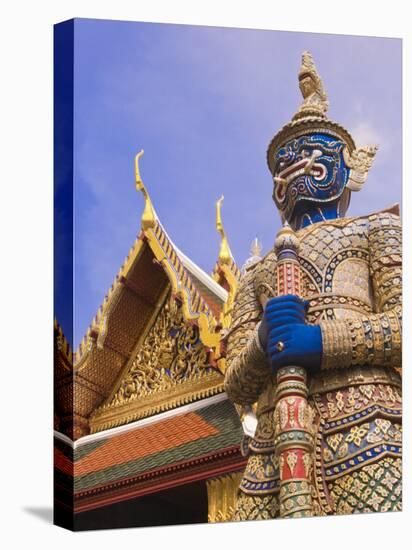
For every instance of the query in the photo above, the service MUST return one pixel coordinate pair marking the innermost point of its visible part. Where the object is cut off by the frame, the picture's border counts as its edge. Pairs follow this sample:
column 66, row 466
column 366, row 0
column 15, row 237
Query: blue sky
column 203, row 103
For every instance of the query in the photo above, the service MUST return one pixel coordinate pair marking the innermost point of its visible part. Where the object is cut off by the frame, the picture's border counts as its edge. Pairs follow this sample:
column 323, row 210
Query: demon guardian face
column 314, row 162
column 309, row 169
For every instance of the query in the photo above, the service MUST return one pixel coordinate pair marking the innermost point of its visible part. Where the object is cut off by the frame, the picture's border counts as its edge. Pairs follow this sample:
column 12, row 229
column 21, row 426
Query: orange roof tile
column 145, row 441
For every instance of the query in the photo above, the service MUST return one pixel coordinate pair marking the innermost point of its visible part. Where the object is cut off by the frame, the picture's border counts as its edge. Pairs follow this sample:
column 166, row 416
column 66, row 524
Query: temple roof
column 154, row 453
column 214, row 294
column 153, row 268
column 204, row 294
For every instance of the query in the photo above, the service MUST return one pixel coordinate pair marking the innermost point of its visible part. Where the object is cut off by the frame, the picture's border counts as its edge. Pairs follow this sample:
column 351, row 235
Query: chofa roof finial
column 225, row 254
column 148, row 217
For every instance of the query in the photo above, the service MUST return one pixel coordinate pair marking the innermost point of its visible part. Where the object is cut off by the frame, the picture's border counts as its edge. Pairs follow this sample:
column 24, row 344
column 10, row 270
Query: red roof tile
column 145, row 441
column 62, row 462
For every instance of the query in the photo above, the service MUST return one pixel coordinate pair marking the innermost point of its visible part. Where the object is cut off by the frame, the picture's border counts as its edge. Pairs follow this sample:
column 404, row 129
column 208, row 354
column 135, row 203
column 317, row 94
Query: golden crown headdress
column 311, row 117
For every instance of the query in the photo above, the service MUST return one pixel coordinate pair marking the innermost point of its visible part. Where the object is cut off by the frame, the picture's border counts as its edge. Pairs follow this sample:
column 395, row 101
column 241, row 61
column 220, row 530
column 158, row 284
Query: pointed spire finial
column 315, row 100
column 225, row 254
column 148, row 216
column 255, row 251
column 256, row 248
column 286, row 239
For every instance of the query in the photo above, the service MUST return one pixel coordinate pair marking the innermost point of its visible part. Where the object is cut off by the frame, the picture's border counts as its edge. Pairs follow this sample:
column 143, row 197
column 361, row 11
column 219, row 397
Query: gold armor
column 351, row 270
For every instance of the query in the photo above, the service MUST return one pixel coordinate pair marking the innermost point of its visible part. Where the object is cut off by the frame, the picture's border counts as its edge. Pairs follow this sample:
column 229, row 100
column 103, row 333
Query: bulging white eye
column 319, row 172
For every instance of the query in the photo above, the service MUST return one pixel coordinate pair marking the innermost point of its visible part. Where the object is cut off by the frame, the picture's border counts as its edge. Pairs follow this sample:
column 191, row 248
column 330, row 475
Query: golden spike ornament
column 256, row 248
column 225, row 263
column 294, row 442
column 148, row 219
column 225, row 254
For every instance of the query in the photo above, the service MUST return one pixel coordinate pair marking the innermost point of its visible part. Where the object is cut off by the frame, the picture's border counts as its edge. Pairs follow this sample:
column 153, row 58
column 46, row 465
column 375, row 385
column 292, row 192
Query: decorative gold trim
column 337, row 345
column 160, row 303
column 172, row 265
column 204, row 318
column 99, row 321
column 353, row 376
column 144, row 388
column 173, row 396
column 63, row 346
column 222, row 497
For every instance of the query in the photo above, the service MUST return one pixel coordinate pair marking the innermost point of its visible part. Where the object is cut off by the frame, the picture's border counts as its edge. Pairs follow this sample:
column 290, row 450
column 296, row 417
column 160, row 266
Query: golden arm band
column 247, row 366
column 376, row 340
column 373, row 339
column 337, row 345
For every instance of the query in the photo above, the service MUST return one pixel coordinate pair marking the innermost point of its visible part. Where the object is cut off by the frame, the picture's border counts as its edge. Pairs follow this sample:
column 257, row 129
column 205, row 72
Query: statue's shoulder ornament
column 257, row 279
column 385, row 239
column 390, row 217
column 259, row 276
column 246, row 286
column 264, row 280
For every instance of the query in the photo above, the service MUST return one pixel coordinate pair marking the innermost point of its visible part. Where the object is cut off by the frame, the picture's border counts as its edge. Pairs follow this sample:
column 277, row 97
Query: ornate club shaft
column 293, row 418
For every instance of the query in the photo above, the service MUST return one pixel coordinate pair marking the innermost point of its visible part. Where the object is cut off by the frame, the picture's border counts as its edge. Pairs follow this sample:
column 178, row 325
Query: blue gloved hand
column 284, row 322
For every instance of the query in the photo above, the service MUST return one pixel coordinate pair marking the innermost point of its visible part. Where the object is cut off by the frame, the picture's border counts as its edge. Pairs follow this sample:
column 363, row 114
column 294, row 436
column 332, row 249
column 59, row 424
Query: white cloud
column 365, row 134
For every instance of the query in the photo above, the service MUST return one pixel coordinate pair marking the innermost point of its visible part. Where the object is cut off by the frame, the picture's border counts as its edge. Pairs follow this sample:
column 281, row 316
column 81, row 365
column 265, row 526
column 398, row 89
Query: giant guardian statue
column 315, row 340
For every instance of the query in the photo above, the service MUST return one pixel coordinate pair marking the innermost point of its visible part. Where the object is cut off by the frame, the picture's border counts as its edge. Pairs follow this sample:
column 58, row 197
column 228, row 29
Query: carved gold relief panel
column 170, row 367
column 170, row 354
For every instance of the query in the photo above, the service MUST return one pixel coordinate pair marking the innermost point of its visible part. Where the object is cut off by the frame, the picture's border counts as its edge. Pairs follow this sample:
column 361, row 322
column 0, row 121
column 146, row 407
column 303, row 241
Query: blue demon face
column 309, row 169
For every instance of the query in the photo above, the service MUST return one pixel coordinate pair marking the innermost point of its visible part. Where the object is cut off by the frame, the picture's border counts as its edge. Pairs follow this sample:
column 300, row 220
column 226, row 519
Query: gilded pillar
column 222, row 497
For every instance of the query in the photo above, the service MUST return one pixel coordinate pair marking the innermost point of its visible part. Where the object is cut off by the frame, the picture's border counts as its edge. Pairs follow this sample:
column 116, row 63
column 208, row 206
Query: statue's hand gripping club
column 286, row 337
